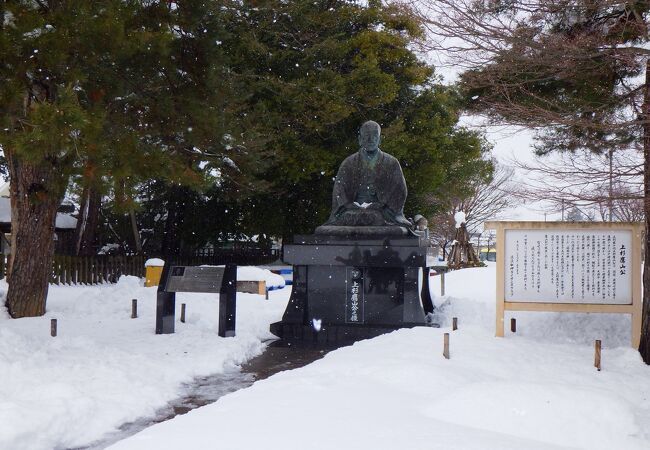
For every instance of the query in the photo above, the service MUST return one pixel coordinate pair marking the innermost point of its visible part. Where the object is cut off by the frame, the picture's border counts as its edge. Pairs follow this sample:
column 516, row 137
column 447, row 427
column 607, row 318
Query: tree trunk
column 644, row 347
column 176, row 205
column 33, row 212
column 87, row 222
column 136, row 232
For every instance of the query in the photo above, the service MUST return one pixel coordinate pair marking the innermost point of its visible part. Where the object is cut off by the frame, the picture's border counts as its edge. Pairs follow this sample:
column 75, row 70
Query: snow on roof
column 5, row 210
column 63, row 220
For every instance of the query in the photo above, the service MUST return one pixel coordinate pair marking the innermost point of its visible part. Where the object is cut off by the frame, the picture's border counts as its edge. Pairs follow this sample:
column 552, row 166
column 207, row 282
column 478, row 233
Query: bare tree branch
column 485, row 201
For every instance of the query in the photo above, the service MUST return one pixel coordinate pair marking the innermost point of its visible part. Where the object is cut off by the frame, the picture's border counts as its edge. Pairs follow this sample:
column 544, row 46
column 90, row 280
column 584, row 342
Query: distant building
column 488, row 254
column 64, row 229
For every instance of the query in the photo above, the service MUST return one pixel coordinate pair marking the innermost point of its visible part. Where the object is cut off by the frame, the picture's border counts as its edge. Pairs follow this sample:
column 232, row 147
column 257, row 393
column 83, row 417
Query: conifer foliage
column 317, row 71
column 253, row 103
column 115, row 90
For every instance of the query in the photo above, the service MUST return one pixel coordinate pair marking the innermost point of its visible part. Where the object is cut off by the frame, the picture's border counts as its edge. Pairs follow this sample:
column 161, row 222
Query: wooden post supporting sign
column 580, row 267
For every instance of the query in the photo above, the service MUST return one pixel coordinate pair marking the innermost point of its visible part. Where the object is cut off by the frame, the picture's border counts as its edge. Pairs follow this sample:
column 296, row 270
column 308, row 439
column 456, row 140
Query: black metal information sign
column 217, row 280
column 195, row 279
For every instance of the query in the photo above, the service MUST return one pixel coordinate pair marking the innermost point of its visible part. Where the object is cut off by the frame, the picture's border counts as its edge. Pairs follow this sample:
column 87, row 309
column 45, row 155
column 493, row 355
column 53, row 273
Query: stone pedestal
column 350, row 288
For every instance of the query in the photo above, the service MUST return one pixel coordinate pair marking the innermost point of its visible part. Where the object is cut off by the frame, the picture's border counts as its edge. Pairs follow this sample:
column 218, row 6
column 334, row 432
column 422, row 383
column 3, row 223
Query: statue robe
column 389, row 188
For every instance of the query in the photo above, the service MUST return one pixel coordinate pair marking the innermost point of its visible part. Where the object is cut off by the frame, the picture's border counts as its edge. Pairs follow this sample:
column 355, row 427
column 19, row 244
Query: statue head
column 370, row 136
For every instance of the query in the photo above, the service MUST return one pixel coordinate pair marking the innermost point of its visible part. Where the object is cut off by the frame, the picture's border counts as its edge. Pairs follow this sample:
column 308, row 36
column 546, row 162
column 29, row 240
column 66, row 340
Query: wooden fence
column 95, row 269
column 108, row 269
column 90, row 269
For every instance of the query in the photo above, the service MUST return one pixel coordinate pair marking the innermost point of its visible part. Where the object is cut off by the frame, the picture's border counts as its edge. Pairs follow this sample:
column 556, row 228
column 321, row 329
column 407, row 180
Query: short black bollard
column 454, row 323
column 183, row 312
column 513, row 325
column 266, row 297
column 53, row 327
column 134, row 308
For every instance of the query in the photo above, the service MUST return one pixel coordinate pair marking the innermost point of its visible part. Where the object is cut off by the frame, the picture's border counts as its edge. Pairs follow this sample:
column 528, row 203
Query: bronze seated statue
column 369, row 192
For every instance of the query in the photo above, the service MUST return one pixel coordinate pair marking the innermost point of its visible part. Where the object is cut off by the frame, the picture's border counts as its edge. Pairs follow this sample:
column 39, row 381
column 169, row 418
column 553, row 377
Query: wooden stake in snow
column 454, row 323
column 597, row 355
column 134, row 308
column 183, row 312
column 53, row 327
column 513, row 325
column 445, row 352
column 442, row 284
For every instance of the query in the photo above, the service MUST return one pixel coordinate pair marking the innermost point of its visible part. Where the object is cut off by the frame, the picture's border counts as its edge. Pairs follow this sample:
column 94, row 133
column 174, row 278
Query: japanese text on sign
column 354, row 296
column 568, row 266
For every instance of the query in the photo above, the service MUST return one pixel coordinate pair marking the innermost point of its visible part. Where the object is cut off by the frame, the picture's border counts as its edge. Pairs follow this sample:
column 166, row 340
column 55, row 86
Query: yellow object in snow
column 152, row 275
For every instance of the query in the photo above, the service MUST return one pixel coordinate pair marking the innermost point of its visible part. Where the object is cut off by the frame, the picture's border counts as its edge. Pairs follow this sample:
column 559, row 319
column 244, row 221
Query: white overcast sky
column 509, row 143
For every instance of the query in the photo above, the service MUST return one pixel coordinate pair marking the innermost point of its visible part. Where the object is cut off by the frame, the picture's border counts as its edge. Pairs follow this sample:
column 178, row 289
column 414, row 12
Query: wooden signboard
column 591, row 267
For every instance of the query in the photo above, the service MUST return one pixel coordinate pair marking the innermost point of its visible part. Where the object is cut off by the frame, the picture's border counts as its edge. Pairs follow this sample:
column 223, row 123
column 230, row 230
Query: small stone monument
column 359, row 275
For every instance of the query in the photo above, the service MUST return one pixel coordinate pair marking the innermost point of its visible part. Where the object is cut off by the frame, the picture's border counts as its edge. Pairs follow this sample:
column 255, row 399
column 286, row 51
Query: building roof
column 64, row 221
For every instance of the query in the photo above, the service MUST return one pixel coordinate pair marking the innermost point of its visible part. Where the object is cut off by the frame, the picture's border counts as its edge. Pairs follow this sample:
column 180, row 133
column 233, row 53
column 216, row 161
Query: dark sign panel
column 195, row 279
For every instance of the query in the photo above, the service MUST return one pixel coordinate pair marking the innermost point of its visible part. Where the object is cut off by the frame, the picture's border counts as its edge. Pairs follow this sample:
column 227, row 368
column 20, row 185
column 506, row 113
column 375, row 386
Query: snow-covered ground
column 104, row 368
column 537, row 389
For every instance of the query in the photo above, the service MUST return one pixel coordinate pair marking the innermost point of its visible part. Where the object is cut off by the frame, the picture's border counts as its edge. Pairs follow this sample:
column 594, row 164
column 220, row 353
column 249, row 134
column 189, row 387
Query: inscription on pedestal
column 354, row 297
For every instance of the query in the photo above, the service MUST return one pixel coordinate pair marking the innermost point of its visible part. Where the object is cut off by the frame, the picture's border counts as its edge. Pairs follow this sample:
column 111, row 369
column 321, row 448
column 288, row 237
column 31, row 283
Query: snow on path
column 534, row 390
column 104, row 368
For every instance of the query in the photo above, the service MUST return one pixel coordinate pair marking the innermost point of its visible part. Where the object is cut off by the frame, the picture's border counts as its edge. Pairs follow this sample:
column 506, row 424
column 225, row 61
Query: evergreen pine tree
column 119, row 91
column 317, row 71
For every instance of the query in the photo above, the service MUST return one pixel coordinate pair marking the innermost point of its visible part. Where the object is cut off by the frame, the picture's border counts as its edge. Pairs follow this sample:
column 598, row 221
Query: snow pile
column 537, row 389
column 397, row 391
column 459, row 217
column 104, row 368
column 252, row 273
column 471, row 298
column 154, row 262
